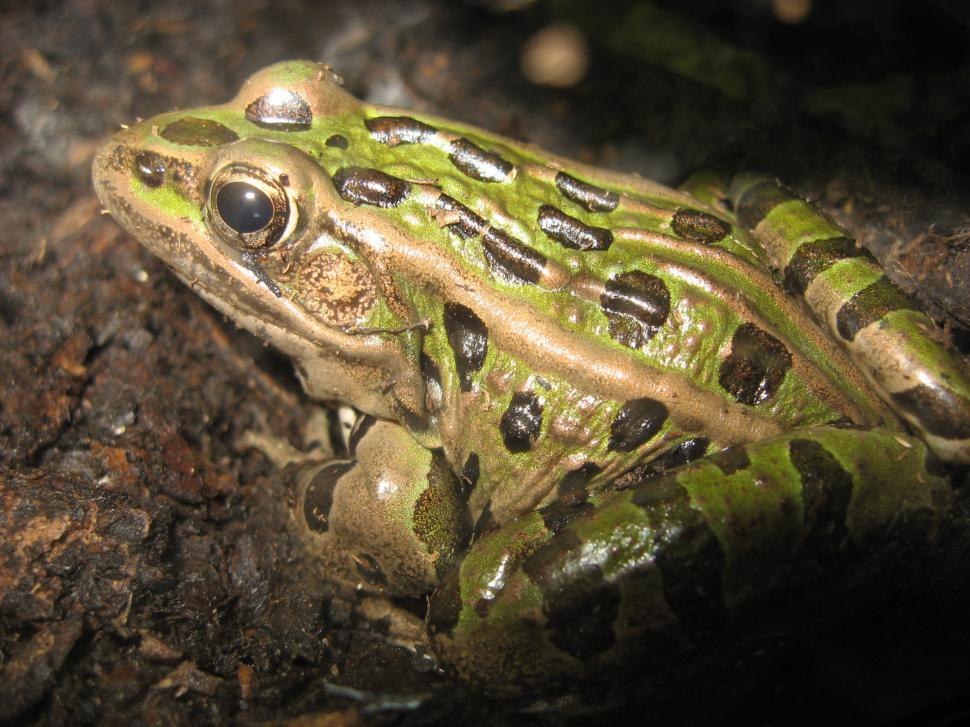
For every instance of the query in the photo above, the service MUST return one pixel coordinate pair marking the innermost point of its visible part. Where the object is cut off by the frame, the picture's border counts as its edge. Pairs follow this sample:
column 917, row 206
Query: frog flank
column 599, row 415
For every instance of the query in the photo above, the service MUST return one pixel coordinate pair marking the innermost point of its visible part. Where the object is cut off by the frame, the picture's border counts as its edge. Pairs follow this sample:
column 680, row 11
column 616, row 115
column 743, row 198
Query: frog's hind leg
column 895, row 343
column 634, row 576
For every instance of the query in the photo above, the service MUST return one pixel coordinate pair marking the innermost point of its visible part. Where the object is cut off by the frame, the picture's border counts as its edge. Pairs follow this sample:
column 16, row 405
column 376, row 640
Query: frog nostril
column 244, row 207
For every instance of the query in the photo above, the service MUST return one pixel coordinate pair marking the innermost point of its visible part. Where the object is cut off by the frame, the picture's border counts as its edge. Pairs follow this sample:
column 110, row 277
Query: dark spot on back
column 510, row 259
column 394, row 130
column 594, row 199
column 468, row 338
column 817, row 256
column 941, row 411
column 280, row 110
column 370, row 186
column 869, row 305
column 755, row 204
column 149, row 167
column 521, row 423
column 636, row 305
column 756, row 366
column 636, row 423
column 467, row 224
column 571, row 232
column 732, row 459
column 318, row 498
column 687, row 553
column 826, row 493
column 337, row 141
column 475, row 162
column 698, row 226
column 191, row 131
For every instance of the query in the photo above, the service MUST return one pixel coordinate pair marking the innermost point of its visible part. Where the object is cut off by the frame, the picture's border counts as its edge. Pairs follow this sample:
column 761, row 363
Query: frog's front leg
column 389, row 520
column 645, row 568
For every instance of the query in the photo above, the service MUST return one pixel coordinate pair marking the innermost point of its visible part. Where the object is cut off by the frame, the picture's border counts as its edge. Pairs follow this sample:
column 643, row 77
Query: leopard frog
column 597, row 413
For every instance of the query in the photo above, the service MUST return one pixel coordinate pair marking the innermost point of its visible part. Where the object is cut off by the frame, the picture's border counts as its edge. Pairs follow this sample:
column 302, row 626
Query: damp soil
column 147, row 573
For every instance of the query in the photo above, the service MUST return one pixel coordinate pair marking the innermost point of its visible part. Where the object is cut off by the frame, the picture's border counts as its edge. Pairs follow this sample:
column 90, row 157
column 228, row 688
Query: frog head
column 236, row 199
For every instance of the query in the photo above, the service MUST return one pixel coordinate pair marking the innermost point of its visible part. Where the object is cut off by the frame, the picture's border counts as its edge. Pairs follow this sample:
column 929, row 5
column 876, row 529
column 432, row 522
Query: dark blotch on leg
column 468, row 338
column 557, row 515
column 826, row 493
column 869, row 305
column 191, row 131
column 939, row 410
column 580, row 608
column 636, row 423
column 731, row 460
column 816, row 257
column 759, row 200
column 337, row 141
column 636, row 305
column 756, row 366
column 688, row 554
column 698, row 226
column 684, row 453
column 522, row 422
column 318, row 498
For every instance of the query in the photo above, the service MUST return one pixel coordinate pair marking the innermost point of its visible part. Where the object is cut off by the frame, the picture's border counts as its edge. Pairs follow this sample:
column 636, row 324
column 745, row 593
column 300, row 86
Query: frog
column 597, row 417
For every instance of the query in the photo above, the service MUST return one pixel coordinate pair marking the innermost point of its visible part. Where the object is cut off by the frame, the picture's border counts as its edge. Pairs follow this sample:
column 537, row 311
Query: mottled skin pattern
column 597, row 420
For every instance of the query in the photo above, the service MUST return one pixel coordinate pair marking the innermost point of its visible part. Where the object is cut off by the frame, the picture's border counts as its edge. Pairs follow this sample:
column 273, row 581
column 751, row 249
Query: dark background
column 146, row 573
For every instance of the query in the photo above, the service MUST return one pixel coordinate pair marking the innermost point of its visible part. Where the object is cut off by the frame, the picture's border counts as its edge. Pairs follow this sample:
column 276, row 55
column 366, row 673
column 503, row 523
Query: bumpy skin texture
column 595, row 419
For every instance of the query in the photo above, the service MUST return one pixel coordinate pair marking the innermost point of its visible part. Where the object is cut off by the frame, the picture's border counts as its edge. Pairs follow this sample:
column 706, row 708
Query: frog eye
column 248, row 208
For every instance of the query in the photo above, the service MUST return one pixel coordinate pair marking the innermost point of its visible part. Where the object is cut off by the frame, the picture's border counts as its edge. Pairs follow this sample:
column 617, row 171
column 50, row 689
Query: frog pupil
column 244, row 207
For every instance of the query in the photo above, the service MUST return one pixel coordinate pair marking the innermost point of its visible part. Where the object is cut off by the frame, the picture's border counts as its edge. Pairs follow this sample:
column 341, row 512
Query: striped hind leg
column 573, row 591
column 895, row 343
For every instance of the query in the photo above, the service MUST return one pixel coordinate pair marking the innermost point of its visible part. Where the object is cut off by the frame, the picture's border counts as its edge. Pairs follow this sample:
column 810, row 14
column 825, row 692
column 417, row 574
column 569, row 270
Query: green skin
column 595, row 420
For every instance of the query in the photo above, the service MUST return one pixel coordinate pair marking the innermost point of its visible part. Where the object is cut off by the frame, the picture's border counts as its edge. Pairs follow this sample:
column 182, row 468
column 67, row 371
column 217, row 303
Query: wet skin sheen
column 600, row 416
